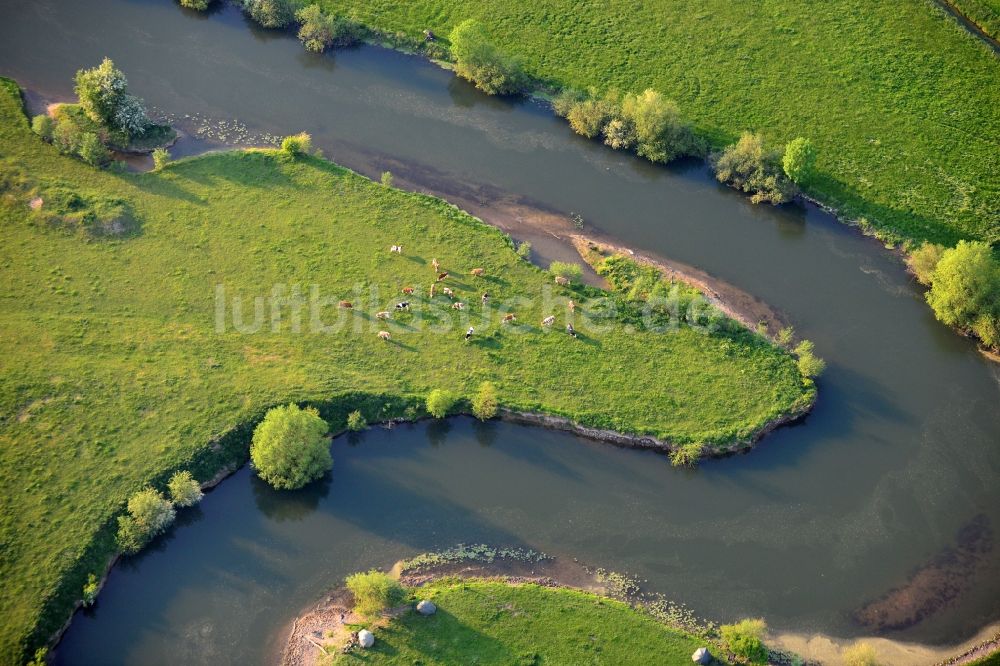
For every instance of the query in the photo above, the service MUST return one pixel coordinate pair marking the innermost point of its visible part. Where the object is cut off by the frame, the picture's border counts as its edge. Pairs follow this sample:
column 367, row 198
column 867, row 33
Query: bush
column 43, row 126
column 440, row 402
column 41, row 657
column 524, row 250
column 485, row 404
column 200, row 5
column 90, row 590
column 965, row 285
column 799, row 160
column 686, row 455
column 320, row 31
column 748, row 167
column 66, row 136
column 297, row 144
column 924, row 260
column 660, row 134
column 184, row 490
column 103, row 95
column 270, row 13
column 809, row 364
column 289, row 447
column 149, row 513
column 619, row 133
column 860, row 654
column 566, row 269
column 744, row 639
column 356, row 421
column 588, row 117
column 386, row 179
column 987, row 328
column 479, row 61
column 375, row 592
column 785, row 336
column 92, row 151
column 161, row 158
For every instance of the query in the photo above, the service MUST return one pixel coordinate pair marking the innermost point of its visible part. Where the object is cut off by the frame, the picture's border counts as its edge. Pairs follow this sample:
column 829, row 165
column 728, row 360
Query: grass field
column 900, row 101
column 984, row 13
column 480, row 622
column 113, row 373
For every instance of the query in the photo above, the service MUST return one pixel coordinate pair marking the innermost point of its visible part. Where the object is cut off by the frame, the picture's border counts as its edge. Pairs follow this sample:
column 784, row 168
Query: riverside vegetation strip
column 114, row 375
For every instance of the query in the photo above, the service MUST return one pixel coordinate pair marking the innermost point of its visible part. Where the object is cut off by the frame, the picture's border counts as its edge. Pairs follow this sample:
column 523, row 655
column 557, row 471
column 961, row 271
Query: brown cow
column 407, row 290
column 457, row 305
column 509, row 318
column 478, row 272
column 384, row 335
column 442, row 276
column 561, row 281
column 345, row 304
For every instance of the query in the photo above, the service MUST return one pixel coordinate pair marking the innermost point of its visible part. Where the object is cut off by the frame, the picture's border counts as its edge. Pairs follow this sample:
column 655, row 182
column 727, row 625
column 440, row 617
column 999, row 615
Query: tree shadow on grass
column 430, row 636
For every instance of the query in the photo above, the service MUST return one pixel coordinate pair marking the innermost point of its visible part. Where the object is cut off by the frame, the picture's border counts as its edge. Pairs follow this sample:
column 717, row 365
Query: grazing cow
column 448, row 292
column 572, row 306
column 384, row 335
column 442, row 276
column 509, row 318
column 561, row 281
column 468, row 333
column 381, row 315
column 433, row 287
column 478, row 272
column 408, row 290
column 398, row 249
column 457, row 305
column 345, row 304
column 435, row 265
column 405, row 305
column 486, row 298
column 571, row 330
column 548, row 321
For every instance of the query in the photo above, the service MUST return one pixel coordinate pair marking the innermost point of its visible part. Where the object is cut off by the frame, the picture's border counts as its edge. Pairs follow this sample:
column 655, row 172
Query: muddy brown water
column 871, row 495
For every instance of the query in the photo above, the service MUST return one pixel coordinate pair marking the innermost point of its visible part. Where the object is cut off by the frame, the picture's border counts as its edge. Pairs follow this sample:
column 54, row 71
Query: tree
column 924, row 260
column 130, row 116
column 270, row 13
column 356, row 421
column 161, row 158
column 200, row 5
column 104, row 97
column 149, row 513
column 745, row 640
column 965, row 284
column 485, row 404
column 296, row 144
column 748, row 166
column 66, row 136
column 320, row 31
column 289, row 447
column 479, row 61
column 809, row 364
column 92, row 151
column 375, row 592
column 42, row 125
column 184, row 490
column 440, row 402
column 90, row 590
column 660, row 133
column 619, row 133
column 589, row 116
column 799, row 160
column 386, row 179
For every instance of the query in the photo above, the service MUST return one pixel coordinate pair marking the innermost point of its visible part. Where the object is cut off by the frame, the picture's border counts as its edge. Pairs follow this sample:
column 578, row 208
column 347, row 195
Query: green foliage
column 92, row 151
column 440, row 402
column 103, row 95
column 43, row 126
column 486, row 403
column 492, row 622
column 860, row 654
column 149, row 513
column 749, row 167
column 477, row 60
column 785, row 336
column 41, row 657
column 66, row 136
column 296, row 145
column 687, row 455
column 320, row 31
column 270, row 13
column 660, row 134
column 799, row 161
column 375, row 592
column 386, row 179
column 566, row 269
column 965, row 285
column 524, row 250
column 184, row 490
column 90, row 590
column 161, row 158
column 924, row 260
column 289, row 447
column 200, row 5
column 745, row 640
column 356, row 421
column 810, row 365
column 589, row 115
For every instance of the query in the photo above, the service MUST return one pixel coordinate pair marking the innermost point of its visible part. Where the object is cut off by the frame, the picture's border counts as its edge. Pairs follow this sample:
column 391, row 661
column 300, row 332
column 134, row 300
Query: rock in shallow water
column 426, row 607
column 366, row 638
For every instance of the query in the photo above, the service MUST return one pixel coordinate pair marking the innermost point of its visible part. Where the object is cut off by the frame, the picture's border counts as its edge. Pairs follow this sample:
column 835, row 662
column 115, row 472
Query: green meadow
column 899, row 100
column 114, row 373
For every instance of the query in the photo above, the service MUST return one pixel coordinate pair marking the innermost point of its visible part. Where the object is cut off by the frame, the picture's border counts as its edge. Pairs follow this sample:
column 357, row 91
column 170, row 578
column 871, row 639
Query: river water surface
column 890, row 484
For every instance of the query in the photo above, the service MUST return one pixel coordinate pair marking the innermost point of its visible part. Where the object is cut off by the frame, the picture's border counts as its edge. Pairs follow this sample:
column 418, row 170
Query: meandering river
column 891, row 484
